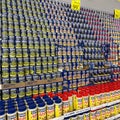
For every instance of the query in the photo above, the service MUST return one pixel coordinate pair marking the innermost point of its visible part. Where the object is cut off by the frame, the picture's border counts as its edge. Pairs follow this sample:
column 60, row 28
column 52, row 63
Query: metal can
column 5, row 73
column 5, row 62
column 55, row 68
column 42, row 53
column 44, row 60
column 50, row 69
column 32, row 53
column 50, row 60
column 19, row 62
column 12, row 52
column 18, row 44
column 36, row 44
column 13, row 72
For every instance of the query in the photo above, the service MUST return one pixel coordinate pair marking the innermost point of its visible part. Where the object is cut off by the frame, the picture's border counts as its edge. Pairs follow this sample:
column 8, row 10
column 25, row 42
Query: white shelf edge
column 69, row 114
column 114, row 117
column 98, row 107
column 82, row 110
column 76, row 112
column 72, row 114
column 114, row 102
column 58, row 118
column 104, row 105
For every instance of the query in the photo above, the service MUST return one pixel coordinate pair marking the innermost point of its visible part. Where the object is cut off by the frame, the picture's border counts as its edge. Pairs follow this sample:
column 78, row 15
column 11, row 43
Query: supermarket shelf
column 114, row 117
column 31, row 83
column 104, row 105
column 70, row 114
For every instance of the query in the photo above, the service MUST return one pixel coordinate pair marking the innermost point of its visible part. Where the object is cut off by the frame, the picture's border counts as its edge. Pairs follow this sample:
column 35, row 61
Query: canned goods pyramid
column 46, row 40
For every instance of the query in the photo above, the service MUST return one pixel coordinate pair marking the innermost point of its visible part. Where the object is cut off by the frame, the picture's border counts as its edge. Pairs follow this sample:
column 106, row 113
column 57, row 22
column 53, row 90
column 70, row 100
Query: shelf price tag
column 75, row 4
column 117, row 14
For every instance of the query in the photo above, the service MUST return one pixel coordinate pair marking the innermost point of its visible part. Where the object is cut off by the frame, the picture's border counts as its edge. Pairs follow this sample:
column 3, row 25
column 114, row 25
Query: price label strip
column 75, row 4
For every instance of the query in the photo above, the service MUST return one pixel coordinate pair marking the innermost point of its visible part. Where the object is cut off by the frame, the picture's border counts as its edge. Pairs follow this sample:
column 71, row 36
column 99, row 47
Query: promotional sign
column 117, row 14
column 75, row 4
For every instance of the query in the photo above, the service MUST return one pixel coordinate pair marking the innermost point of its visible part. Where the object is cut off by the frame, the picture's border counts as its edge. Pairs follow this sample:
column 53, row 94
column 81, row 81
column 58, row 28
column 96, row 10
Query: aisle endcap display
column 58, row 62
column 30, row 83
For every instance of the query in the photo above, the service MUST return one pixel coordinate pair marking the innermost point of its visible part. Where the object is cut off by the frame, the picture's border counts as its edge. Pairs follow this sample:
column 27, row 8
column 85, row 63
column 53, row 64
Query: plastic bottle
column 58, row 107
column 85, row 100
column 92, row 98
column 12, row 114
column 2, row 114
column 22, row 112
column 65, row 102
column 79, row 101
column 98, row 97
column 50, row 109
column 74, row 97
column 70, row 101
column 32, row 111
column 41, row 111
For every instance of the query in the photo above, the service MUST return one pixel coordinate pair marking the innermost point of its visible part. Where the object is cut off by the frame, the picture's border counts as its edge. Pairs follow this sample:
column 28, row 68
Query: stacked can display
column 64, row 105
column 41, row 38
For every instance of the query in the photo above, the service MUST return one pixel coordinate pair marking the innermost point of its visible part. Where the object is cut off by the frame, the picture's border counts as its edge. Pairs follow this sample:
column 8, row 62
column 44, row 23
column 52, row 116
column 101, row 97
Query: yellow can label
column 4, row 64
column 92, row 101
column 70, row 103
column 42, row 113
column 4, row 45
column 5, row 94
column 28, row 92
column 65, row 107
column 74, row 101
column 21, row 93
column 79, row 103
column 58, row 110
column 38, row 71
column 50, row 112
column 85, row 102
column 13, row 93
column 32, row 115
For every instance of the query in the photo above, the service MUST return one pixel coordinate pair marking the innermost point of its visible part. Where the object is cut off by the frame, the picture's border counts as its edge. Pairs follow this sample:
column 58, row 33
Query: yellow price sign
column 117, row 14
column 75, row 4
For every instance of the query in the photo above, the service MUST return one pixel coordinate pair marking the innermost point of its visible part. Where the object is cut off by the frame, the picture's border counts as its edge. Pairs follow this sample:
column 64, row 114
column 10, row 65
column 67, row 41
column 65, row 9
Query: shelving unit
column 70, row 114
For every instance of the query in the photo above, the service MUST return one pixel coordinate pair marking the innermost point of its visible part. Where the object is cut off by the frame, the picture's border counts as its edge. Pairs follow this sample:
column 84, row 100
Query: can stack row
column 41, row 38
column 48, row 106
